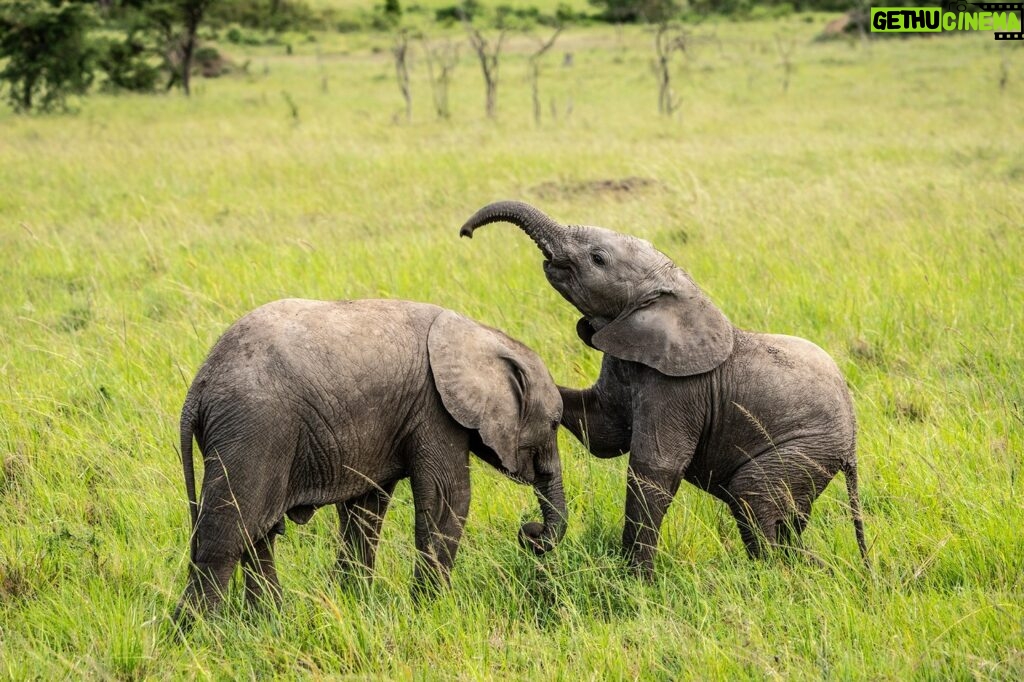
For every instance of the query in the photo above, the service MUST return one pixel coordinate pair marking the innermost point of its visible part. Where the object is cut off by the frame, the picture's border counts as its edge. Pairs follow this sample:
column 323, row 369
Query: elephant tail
column 189, row 420
column 850, row 474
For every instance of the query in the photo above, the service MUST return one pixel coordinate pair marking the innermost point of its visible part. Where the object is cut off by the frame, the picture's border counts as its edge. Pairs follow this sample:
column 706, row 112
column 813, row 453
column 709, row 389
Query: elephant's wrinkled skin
column 302, row 404
column 761, row 421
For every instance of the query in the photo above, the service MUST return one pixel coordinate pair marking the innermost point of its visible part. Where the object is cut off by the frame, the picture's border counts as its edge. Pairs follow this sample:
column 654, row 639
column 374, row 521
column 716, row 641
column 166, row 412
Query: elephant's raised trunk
column 541, row 228
column 548, row 485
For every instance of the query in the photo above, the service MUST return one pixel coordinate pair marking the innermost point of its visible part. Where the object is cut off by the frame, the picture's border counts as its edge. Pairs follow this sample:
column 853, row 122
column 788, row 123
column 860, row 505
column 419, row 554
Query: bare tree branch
column 667, row 41
column 785, row 50
column 535, row 71
column 400, row 50
column 444, row 57
column 489, row 62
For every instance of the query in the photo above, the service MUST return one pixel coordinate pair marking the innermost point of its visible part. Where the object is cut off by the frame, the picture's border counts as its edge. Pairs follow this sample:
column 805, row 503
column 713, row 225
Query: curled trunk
column 542, row 538
column 540, row 227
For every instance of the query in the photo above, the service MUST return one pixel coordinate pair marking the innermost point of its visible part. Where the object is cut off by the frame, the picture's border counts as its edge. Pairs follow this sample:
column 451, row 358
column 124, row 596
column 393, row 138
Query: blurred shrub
column 127, row 64
column 237, row 35
column 636, row 11
column 467, row 10
column 46, row 52
column 267, row 15
column 209, row 63
column 783, row 9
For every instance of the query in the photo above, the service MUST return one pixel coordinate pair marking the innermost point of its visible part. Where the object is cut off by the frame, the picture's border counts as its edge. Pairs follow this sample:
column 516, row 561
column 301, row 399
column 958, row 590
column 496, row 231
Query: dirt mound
column 619, row 188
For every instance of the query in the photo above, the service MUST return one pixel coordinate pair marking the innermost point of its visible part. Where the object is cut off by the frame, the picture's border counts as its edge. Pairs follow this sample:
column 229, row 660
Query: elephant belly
column 341, row 461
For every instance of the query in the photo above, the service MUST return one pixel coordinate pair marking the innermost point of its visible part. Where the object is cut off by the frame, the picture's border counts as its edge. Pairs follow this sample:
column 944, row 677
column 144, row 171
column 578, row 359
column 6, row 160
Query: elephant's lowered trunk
column 542, row 229
column 544, row 538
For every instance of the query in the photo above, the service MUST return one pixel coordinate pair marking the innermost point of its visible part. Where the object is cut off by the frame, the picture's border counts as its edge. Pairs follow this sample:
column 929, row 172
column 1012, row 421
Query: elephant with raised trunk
column 302, row 404
column 761, row 421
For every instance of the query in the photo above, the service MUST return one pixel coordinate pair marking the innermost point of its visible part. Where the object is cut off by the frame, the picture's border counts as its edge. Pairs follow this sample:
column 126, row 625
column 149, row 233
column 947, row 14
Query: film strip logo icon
column 994, row 7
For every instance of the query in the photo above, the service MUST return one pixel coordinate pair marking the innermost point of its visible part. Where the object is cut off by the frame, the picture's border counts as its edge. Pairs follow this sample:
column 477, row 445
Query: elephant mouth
column 557, row 270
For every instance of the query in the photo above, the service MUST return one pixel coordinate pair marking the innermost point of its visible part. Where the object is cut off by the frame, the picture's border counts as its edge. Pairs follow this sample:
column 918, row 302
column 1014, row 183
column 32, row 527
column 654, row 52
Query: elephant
column 761, row 421
column 304, row 403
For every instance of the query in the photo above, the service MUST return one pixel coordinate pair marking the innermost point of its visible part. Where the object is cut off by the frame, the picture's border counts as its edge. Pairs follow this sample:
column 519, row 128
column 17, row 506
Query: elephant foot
column 641, row 567
column 353, row 575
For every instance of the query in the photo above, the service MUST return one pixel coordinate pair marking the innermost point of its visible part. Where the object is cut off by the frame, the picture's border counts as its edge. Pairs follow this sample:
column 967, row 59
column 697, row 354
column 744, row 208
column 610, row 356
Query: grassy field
column 876, row 208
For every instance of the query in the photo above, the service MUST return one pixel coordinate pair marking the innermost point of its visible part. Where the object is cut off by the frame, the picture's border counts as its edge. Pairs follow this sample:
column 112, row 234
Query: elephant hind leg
column 208, row 580
column 771, row 497
column 768, row 512
column 759, row 532
column 220, row 540
column 765, row 530
column 261, row 583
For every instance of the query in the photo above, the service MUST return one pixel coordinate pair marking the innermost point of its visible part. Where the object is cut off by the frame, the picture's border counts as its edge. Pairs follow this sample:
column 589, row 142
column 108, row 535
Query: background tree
column 667, row 41
column 400, row 50
column 46, row 52
column 490, row 60
column 785, row 50
column 177, row 22
column 191, row 12
column 535, row 58
column 441, row 61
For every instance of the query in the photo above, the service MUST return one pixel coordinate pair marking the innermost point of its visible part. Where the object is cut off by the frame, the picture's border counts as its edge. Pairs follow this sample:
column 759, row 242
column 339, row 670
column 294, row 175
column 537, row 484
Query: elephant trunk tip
column 498, row 211
column 533, row 537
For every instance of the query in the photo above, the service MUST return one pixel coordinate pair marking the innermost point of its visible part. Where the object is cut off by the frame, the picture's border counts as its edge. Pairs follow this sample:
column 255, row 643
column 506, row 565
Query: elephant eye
column 554, row 423
column 597, row 258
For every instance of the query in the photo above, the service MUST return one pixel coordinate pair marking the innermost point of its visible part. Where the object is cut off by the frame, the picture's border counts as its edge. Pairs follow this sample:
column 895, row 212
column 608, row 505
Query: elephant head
column 500, row 389
column 636, row 303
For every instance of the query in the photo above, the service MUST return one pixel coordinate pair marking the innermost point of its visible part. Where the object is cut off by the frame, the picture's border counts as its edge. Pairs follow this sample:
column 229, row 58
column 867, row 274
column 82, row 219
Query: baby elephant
column 761, row 421
column 302, row 404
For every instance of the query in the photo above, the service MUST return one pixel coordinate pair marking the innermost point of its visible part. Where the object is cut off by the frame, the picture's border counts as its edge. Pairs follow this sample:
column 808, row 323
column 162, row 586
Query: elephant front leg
column 597, row 421
column 440, row 488
column 360, row 522
column 649, row 493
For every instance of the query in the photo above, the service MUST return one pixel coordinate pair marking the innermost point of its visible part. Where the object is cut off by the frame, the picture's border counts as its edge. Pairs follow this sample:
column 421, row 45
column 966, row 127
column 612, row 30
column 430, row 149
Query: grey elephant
column 302, row 404
column 761, row 421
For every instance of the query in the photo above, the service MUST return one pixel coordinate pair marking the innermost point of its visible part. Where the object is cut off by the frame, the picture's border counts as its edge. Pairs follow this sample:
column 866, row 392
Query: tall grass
column 876, row 209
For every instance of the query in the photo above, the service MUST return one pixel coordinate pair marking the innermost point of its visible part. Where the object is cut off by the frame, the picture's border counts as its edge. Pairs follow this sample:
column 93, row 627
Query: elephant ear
column 679, row 332
column 482, row 384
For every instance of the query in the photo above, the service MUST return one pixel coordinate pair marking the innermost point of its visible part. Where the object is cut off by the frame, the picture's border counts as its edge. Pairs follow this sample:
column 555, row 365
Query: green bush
column 126, row 64
column 467, row 10
column 565, row 14
column 267, row 15
column 48, row 56
column 778, row 11
column 636, row 11
column 348, row 25
column 237, row 35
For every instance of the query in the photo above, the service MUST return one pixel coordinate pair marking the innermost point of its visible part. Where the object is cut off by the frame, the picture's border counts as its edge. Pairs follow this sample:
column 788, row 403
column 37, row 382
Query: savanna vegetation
column 866, row 195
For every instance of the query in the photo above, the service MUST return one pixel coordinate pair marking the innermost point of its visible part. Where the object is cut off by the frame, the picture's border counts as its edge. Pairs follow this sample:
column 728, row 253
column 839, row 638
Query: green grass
column 876, row 209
